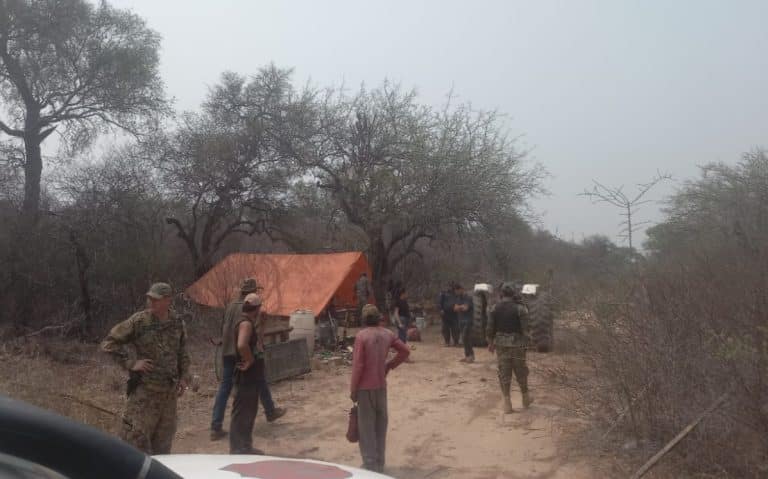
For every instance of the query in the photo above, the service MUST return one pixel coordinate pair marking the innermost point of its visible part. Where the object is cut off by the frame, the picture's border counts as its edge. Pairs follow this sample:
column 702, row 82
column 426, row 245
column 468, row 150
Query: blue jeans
column 225, row 389
column 402, row 333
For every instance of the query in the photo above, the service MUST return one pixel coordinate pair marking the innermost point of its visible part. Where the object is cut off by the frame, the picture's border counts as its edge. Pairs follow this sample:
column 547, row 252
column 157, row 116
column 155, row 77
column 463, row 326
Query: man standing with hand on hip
column 369, row 384
column 248, row 377
column 228, row 353
column 158, row 376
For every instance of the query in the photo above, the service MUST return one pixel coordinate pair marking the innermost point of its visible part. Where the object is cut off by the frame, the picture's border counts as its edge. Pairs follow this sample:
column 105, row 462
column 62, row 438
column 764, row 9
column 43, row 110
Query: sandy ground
column 445, row 420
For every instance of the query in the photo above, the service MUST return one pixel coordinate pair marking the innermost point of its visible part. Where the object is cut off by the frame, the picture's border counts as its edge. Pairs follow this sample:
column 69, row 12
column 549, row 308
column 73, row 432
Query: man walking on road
column 369, row 385
column 464, row 311
column 158, row 377
column 228, row 352
column 449, row 316
column 507, row 333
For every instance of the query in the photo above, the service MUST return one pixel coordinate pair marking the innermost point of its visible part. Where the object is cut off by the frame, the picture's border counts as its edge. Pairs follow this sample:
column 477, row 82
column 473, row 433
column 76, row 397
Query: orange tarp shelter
column 290, row 281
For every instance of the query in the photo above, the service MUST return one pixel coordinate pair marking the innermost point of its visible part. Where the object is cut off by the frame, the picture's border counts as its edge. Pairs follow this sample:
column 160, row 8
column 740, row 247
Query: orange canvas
column 291, row 281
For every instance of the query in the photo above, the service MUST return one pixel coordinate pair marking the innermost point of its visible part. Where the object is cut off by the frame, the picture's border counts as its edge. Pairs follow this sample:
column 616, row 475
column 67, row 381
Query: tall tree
column 224, row 167
column 75, row 68
column 402, row 173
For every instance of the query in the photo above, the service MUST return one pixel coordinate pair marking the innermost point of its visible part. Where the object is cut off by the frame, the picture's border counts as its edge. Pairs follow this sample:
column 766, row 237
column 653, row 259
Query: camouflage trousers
column 149, row 423
column 512, row 361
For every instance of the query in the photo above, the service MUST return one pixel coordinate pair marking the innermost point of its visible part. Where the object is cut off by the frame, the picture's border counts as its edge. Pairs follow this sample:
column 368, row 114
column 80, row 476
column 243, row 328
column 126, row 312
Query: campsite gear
column 353, row 434
column 421, row 323
column 286, row 360
column 290, row 281
column 303, row 324
column 414, row 334
column 326, row 332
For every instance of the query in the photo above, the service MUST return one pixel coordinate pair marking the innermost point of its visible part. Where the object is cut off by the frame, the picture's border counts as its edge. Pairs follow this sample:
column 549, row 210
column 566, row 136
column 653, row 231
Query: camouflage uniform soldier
column 158, row 375
column 507, row 333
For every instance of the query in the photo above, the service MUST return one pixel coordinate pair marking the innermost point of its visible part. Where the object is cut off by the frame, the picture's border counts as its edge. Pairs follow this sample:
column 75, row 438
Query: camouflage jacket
column 163, row 342
column 501, row 339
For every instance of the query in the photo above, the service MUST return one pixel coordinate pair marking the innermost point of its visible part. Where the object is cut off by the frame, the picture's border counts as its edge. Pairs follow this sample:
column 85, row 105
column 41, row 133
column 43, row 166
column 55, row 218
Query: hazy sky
column 612, row 90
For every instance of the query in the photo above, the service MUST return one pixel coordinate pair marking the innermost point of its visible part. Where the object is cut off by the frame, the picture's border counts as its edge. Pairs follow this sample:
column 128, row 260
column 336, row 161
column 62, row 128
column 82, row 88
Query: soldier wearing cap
column 232, row 315
column 507, row 333
column 158, row 369
column 249, row 376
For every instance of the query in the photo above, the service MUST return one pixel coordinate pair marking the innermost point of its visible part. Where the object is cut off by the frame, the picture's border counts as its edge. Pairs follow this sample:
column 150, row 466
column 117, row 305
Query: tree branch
column 11, row 131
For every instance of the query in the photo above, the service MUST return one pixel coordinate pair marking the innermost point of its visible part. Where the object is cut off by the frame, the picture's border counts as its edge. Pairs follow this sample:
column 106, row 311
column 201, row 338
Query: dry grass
column 659, row 357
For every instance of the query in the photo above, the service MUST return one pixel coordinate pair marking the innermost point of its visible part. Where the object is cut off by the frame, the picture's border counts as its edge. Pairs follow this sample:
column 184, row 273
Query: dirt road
column 445, row 420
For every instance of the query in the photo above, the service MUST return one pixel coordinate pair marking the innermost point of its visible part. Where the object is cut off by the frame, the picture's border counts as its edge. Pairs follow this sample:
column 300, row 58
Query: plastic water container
column 303, row 324
column 421, row 323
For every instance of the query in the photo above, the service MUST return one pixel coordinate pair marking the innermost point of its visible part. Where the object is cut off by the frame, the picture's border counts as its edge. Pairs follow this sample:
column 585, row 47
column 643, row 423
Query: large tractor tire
column 541, row 311
column 479, row 318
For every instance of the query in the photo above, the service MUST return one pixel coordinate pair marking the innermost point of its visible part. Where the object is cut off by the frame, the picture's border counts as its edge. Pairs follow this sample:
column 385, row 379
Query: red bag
column 353, row 435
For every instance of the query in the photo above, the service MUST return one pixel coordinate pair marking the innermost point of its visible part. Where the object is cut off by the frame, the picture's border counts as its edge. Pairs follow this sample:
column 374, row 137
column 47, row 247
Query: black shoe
column 276, row 414
column 217, row 434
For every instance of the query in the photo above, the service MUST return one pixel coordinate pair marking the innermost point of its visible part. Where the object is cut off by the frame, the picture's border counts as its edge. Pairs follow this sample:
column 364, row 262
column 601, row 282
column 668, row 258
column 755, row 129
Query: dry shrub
column 666, row 352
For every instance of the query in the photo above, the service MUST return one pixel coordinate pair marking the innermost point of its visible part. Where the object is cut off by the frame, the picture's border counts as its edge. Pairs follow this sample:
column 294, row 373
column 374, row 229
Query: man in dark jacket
column 464, row 312
column 446, row 303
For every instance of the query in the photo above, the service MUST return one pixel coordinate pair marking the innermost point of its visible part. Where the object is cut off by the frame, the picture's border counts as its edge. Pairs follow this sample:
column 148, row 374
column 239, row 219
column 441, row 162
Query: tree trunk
column 83, row 264
column 33, row 170
column 202, row 267
column 377, row 258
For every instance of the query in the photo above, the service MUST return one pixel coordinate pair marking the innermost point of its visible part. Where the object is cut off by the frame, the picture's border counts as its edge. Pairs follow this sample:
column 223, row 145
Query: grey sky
column 601, row 89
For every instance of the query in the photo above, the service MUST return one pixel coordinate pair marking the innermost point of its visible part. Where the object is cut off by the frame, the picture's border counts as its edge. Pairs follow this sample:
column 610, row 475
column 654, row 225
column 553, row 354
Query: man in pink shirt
column 369, row 384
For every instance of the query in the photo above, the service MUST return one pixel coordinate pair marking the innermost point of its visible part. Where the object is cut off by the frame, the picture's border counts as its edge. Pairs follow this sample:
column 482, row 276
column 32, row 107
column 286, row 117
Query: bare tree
column 224, row 168
column 402, row 173
column 628, row 205
column 75, row 68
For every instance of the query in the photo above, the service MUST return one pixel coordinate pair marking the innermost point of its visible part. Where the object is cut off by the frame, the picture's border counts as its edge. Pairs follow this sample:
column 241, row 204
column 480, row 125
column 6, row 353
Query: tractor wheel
column 541, row 311
column 479, row 319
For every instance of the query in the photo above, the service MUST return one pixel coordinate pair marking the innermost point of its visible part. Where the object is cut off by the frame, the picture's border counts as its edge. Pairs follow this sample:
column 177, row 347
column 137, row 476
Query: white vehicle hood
column 222, row 466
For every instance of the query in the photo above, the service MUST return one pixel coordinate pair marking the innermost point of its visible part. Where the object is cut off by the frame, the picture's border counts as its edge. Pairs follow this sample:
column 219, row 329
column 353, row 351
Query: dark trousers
column 451, row 329
column 372, row 424
column 402, row 331
column 244, row 409
column 225, row 389
column 466, row 334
